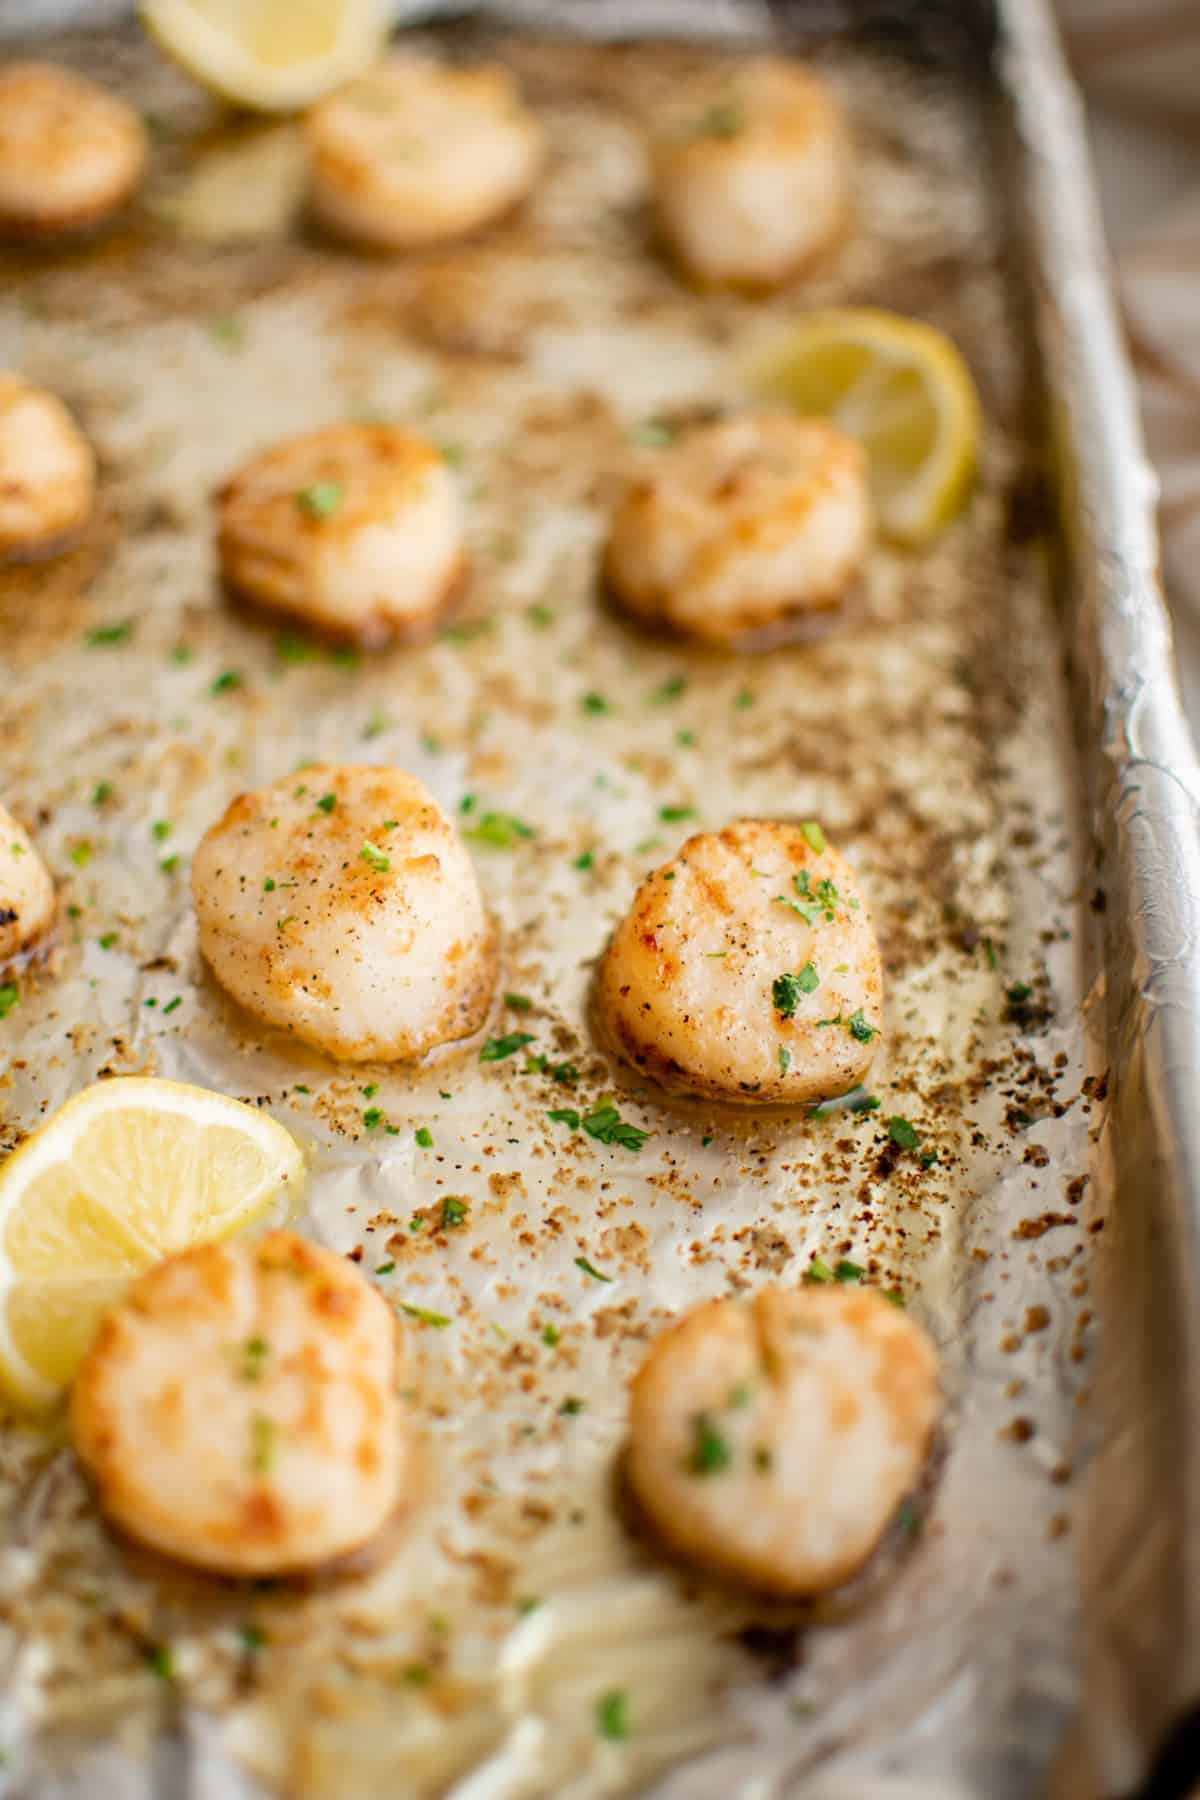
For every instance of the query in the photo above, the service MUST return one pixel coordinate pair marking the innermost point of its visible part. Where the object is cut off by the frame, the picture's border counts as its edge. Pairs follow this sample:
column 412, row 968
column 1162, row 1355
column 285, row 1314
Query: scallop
column 752, row 178
column 26, row 891
column 239, row 1409
column 47, row 472
column 757, row 522
column 70, row 153
column 355, row 529
column 415, row 153
column 340, row 904
column 747, row 969
column 772, row 1440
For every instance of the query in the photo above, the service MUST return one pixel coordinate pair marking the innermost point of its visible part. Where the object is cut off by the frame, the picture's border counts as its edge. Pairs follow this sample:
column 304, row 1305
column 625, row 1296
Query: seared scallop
column 341, row 905
column 238, row 1410
column 356, row 529
column 757, row 522
column 752, row 178
column 772, row 1440
column 47, row 471
column 415, row 152
column 747, row 969
column 69, row 153
column 26, row 891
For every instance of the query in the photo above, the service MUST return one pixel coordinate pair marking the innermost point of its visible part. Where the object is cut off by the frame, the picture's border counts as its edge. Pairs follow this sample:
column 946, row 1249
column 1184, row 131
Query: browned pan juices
column 930, row 738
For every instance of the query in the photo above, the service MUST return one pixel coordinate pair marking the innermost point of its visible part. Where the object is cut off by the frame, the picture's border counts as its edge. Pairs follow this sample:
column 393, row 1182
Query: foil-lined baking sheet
column 933, row 737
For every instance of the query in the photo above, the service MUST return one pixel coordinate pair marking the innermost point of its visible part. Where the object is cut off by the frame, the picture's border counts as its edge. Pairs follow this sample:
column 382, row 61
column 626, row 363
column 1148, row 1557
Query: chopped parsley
column 290, row 648
column 584, row 861
column 612, row 1715
column 454, row 1213
column 744, row 699
column 10, row 995
column 377, row 724
column 818, row 1270
column 723, row 120
column 159, row 1657
column 326, row 803
column 596, row 704
column 550, row 1335
column 814, row 837
column 181, row 654
column 785, row 1059
column 670, row 689
column 253, row 1358
column 226, row 682
column 160, row 831
column 321, row 499
column 572, row 1406
column 497, row 1049
column 81, row 854
column 710, row 1453
column 903, row 1133
column 108, row 940
column 539, row 616
column 103, row 637
column 785, row 994
column 808, row 981
column 673, row 815
column 581, row 1262
column 262, row 1444
column 169, row 864
column 424, row 1137
column 172, row 1004
column 372, row 1117
column 499, row 831
column 102, row 791
column 437, row 1321
column 385, row 1268
column 372, row 854
column 1018, row 993
column 860, row 1029
column 227, row 331
column 848, row 1271
column 518, row 1002
column 565, row 1115
column 252, row 1636
column 606, row 1125
column 269, row 885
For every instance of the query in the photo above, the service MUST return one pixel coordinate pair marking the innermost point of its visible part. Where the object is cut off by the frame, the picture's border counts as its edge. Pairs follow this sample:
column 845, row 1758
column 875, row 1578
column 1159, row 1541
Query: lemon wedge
column 269, row 55
column 124, row 1174
column 903, row 390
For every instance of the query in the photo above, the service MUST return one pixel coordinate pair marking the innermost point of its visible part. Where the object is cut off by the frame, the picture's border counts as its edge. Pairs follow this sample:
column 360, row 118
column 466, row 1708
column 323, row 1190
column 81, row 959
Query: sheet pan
column 1034, row 884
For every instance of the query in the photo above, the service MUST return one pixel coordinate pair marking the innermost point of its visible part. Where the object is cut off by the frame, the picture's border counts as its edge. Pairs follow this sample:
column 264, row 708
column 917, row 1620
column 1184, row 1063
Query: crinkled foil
column 1034, row 899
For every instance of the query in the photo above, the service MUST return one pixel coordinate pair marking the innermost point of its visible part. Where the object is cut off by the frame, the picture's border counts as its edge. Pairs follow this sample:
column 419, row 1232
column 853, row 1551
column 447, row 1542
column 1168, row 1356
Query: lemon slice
column 124, row 1174
column 270, row 55
column 901, row 388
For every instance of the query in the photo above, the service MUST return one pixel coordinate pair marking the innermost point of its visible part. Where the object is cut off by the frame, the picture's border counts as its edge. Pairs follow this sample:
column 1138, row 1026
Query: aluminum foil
column 1033, row 904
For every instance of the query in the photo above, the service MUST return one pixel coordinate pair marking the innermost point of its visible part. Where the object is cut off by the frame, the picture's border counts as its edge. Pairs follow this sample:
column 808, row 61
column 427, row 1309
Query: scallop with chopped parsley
column 747, row 969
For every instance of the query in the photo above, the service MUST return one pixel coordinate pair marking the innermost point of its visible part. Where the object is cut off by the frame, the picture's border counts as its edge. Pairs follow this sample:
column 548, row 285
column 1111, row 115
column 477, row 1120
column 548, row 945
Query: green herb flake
column 818, row 1270
column 372, row 1118
column 10, row 996
column 435, row 1320
column 103, row 637
column 172, row 1004
column 499, row 831
column 227, row 330
column 785, row 1059
column 518, row 1002
column 321, row 499
column 612, row 1715
column 269, row 885
column 497, row 1049
column 710, row 1454
column 606, row 1125
column 581, row 1262
column 653, row 434
column 160, row 831
column 424, row 1137
column 252, row 1359
column 182, row 654
column 386, row 1268
column 860, row 1029
column 670, row 689
column 565, row 1115
column 169, row 864
column 454, row 1213
column 848, row 1271
column 539, row 616
column 102, row 791
column 326, row 803
column 814, row 837
column 374, row 857
column 857, row 1100
column 160, row 1659
column 226, row 682
column 989, row 951
column 550, row 1335
column 262, row 1445
column 252, row 1637
column 743, row 700
column 785, row 995
column 584, row 861
column 376, row 725
column 904, row 1134
column 572, row 1406
column 595, row 704
column 808, row 981
column 674, row 815
column 108, row 940
column 1018, row 993
column 82, row 853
